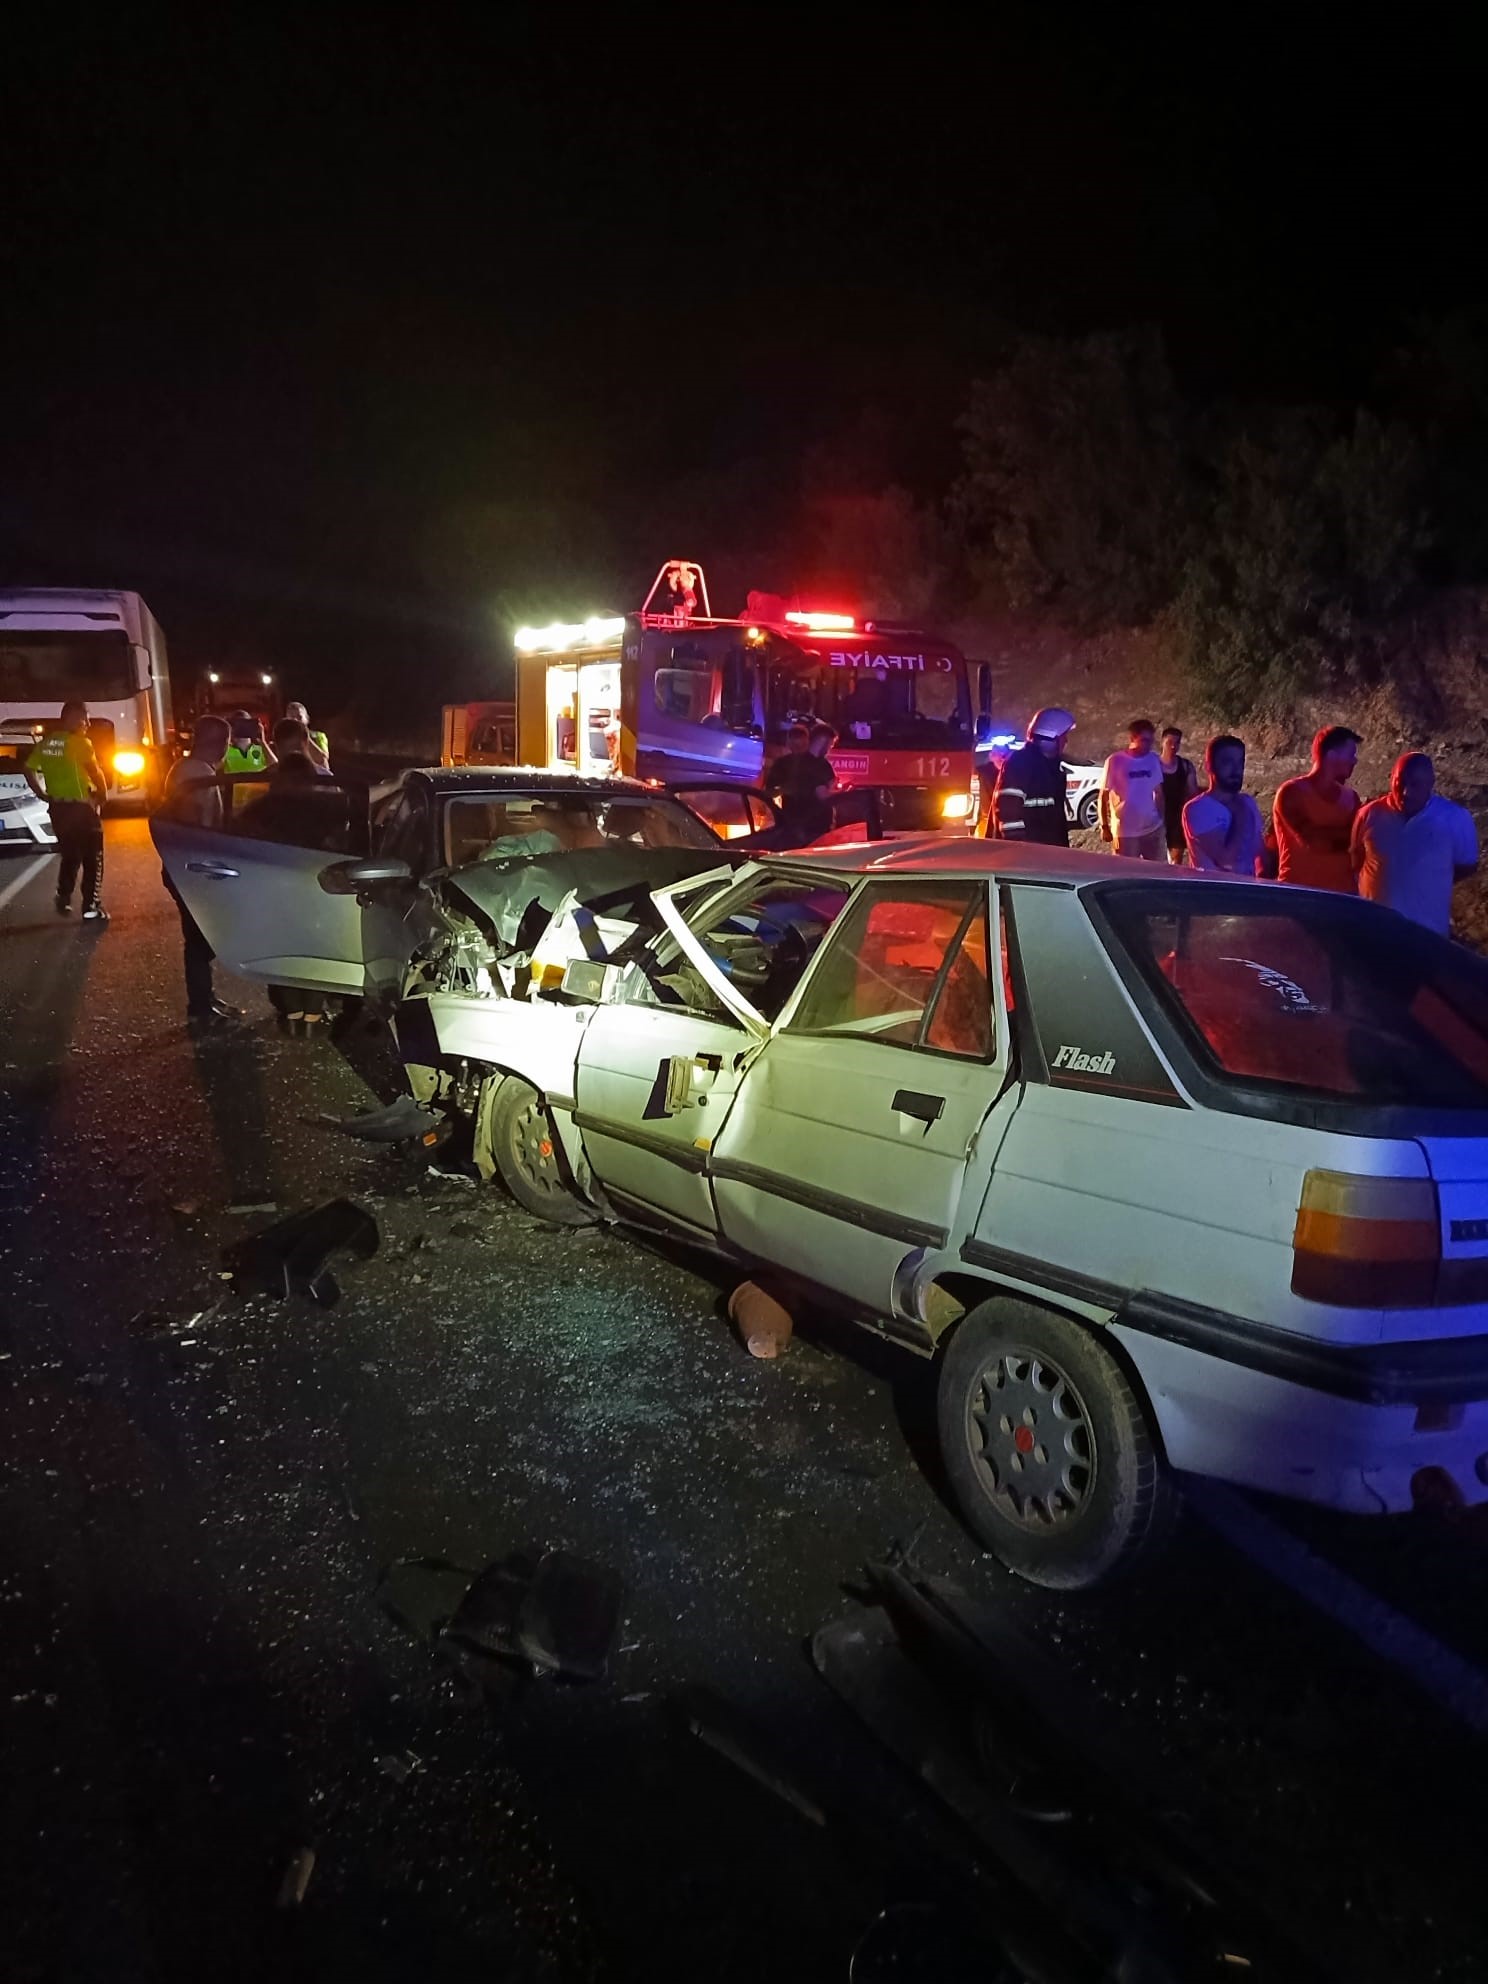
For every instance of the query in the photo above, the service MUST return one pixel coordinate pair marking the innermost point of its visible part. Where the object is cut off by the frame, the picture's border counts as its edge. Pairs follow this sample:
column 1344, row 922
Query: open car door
column 253, row 885
column 658, row 1069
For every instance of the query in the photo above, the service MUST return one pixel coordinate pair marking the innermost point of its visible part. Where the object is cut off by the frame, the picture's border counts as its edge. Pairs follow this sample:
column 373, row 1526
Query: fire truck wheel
column 528, row 1158
column 1049, row 1451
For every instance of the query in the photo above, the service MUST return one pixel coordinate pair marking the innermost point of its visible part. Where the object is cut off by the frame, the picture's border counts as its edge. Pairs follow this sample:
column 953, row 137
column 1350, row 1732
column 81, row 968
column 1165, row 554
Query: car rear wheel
column 1089, row 814
column 527, row 1157
column 1049, row 1451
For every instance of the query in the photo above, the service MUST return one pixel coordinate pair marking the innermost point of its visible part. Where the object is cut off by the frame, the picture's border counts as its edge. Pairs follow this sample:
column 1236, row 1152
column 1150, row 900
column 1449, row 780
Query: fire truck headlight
column 956, row 806
column 128, row 764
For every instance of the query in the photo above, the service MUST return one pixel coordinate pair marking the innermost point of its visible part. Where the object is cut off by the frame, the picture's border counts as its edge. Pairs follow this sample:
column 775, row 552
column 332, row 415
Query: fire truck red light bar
column 823, row 623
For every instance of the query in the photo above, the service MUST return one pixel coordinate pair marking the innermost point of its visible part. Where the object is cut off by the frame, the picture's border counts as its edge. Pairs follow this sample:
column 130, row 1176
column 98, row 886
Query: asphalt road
column 215, row 1647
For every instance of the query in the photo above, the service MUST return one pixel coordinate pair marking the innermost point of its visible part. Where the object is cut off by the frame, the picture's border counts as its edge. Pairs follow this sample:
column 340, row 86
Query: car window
column 292, row 810
column 403, row 830
column 497, row 827
column 730, row 812
column 761, row 939
column 1335, row 1000
column 909, row 966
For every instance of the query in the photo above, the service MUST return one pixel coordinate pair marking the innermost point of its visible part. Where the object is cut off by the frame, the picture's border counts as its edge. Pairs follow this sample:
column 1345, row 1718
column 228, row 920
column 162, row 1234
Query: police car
column 1082, row 784
column 24, row 819
column 1168, row 1173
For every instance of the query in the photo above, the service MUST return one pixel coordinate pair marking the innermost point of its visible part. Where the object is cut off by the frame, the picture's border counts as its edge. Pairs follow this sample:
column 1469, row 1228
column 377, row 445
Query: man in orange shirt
column 1312, row 819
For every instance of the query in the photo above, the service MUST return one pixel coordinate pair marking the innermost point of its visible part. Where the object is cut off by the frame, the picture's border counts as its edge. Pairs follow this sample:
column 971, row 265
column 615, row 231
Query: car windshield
column 761, row 939
column 495, row 826
column 1333, row 999
column 45, row 667
column 916, row 700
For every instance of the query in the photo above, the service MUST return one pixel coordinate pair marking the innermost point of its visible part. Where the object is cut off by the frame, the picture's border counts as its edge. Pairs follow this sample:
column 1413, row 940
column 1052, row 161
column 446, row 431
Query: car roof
column 956, row 856
column 529, row 778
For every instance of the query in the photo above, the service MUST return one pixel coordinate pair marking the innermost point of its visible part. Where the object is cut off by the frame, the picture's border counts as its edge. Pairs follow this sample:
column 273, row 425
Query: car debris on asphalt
column 762, row 1320
column 292, row 1257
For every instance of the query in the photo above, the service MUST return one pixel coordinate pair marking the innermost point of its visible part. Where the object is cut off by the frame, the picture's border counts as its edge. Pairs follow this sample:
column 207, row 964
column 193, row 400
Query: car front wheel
column 1048, row 1450
column 1089, row 814
column 524, row 1149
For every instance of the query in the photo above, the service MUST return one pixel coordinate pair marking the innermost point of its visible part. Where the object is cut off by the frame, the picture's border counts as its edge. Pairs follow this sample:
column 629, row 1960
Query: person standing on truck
column 1028, row 800
column 1312, row 819
column 63, row 769
column 192, row 796
column 319, row 751
column 1131, row 796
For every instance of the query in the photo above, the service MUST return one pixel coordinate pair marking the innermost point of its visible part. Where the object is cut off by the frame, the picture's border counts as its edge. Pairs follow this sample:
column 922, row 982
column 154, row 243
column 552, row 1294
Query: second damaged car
column 1169, row 1173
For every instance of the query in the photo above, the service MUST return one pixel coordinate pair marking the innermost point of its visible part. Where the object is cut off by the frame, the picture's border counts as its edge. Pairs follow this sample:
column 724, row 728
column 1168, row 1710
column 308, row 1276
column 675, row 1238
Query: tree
column 1312, row 540
column 1075, row 494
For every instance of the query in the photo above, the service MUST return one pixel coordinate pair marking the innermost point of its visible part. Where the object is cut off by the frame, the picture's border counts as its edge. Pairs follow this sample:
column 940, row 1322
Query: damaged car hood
column 512, row 901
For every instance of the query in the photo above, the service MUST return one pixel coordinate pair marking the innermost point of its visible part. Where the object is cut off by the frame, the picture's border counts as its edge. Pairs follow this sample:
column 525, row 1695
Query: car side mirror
column 984, row 728
column 355, row 877
column 590, row 982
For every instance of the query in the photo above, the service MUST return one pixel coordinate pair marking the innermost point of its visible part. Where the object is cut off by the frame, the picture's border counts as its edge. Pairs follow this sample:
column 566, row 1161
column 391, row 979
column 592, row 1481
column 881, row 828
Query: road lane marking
column 1452, row 1681
column 26, row 875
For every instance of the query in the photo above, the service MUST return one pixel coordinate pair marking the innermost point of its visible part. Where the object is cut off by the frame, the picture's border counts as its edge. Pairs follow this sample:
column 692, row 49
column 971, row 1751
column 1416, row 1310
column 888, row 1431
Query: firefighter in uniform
column 1028, row 802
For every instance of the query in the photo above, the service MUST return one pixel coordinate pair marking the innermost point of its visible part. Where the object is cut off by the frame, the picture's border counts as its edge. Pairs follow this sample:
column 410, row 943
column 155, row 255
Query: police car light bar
column 823, row 623
column 594, row 633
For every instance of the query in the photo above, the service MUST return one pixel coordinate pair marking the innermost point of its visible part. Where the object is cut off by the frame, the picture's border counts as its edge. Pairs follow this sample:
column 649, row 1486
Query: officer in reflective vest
column 320, row 751
column 64, row 770
column 246, row 749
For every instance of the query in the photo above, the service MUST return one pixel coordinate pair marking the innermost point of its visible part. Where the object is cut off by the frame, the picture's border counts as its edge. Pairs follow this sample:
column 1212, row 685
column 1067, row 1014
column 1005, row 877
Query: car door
column 847, row 1147
column 658, row 1070
column 253, row 884
column 734, row 812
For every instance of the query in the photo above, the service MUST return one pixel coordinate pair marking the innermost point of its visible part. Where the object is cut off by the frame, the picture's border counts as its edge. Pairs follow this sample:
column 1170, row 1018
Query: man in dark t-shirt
column 799, row 780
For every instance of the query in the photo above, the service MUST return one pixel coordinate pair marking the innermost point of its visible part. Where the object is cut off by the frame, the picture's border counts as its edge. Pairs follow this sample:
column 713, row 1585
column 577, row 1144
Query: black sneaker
column 95, row 913
column 64, row 907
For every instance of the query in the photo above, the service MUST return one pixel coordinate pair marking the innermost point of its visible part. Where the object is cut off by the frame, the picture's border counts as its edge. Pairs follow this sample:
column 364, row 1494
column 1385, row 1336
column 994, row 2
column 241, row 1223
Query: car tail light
column 1366, row 1243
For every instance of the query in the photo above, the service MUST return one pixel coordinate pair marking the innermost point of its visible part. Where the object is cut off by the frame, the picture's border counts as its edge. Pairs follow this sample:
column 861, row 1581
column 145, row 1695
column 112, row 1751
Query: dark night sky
column 309, row 322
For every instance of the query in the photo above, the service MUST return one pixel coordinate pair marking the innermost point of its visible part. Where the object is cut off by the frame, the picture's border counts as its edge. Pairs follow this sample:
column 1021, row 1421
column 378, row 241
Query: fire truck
column 678, row 693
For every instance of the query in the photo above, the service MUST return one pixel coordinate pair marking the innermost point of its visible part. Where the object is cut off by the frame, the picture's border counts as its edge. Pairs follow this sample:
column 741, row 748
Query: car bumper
column 1370, row 1455
column 26, row 830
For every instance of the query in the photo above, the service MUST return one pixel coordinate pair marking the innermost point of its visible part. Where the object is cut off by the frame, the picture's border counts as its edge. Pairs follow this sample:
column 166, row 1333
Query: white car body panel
column 25, row 820
column 1139, row 1209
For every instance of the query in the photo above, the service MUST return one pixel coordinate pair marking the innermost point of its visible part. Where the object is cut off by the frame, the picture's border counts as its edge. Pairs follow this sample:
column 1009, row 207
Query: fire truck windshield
column 915, row 700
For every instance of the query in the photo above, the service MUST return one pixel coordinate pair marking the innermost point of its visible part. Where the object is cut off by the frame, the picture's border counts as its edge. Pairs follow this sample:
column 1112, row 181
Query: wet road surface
column 210, row 1623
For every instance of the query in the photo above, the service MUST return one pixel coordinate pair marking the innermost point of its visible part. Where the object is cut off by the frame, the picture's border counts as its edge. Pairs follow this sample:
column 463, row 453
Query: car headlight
column 955, row 806
column 129, row 764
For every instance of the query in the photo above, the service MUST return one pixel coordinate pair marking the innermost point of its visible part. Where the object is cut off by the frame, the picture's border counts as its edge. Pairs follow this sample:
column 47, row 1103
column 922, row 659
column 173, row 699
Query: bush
column 1076, row 494
column 1311, row 543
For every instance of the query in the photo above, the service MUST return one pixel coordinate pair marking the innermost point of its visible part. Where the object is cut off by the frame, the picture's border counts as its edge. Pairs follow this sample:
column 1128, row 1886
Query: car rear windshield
column 1332, row 999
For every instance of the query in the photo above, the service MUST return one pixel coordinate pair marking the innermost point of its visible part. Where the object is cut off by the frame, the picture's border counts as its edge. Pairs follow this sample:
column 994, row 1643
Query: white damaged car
column 1170, row 1173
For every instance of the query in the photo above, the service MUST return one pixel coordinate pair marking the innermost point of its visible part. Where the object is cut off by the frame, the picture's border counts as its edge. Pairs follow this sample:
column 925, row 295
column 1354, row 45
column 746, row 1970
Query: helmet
column 1050, row 723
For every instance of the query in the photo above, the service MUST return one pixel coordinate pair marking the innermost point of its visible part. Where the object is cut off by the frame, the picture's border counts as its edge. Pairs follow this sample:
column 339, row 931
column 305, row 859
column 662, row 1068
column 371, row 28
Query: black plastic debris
column 400, row 1121
column 1106, row 1868
column 553, row 1612
column 728, row 1732
column 292, row 1257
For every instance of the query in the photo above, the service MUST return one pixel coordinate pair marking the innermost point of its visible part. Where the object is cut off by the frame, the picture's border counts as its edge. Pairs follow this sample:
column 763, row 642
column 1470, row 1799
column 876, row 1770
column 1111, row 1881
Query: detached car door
column 848, row 1145
column 658, row 1070
column 253, row 884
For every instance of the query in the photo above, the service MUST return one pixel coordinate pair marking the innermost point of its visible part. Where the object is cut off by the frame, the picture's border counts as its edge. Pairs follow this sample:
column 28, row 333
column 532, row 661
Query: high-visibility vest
column 318, row 739
column 61, row 762
column 254, row 759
